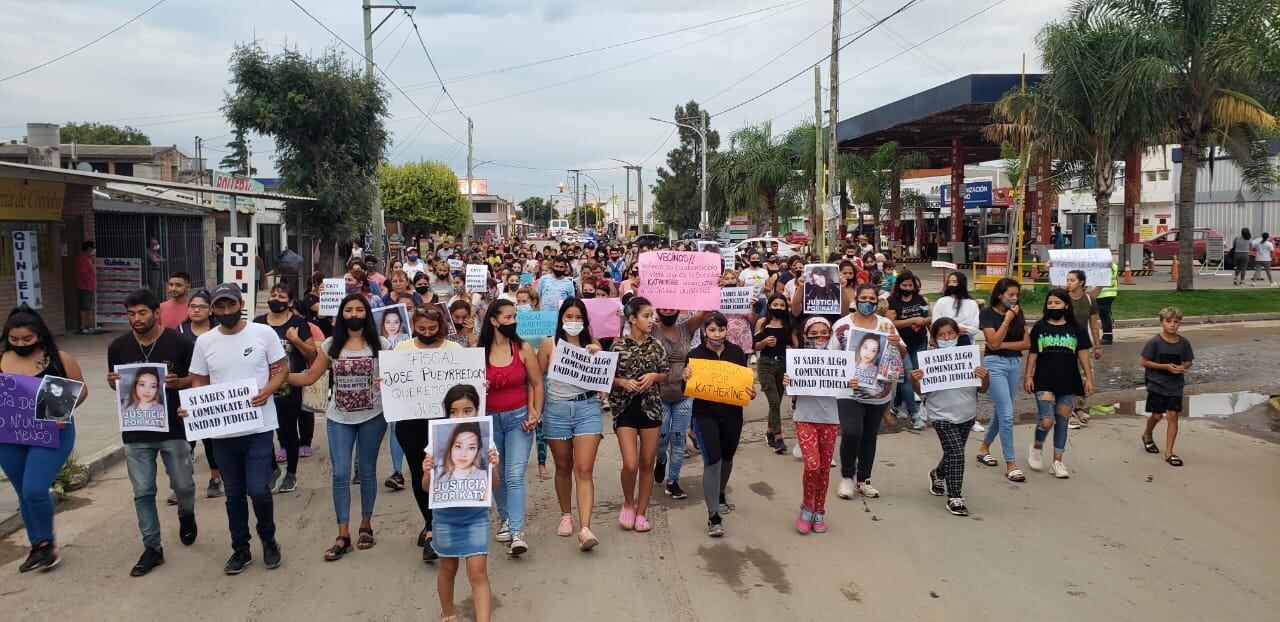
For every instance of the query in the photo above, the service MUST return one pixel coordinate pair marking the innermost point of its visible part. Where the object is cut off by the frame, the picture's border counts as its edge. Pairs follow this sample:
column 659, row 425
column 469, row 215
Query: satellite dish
column 84, row 166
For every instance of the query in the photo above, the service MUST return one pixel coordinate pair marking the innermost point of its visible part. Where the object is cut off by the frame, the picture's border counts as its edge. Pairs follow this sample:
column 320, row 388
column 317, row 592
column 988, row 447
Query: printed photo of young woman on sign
column 140, row 398
column 460, row 477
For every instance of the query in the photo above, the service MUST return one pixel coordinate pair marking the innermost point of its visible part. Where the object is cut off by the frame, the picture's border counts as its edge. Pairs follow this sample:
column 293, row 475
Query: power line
column 433, row 67
column 859, row 35
column 403, row 18
column 929, row 59
column 104, row 36
column 598, row 49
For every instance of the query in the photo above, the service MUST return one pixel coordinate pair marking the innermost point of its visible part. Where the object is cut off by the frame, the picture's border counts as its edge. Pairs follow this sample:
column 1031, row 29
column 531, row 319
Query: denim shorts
column 1067, row 400
column 563, row 420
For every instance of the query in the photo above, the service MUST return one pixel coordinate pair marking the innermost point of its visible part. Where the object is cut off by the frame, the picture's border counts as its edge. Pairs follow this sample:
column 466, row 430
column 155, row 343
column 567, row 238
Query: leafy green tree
column 90, row 133
column 677, row 198
column 238, row 160
column 1206, row 63
column 590, row 215
column 424, row 196
column 871, row 179
column 536, row 211
column 327, row 120
column 757, row 175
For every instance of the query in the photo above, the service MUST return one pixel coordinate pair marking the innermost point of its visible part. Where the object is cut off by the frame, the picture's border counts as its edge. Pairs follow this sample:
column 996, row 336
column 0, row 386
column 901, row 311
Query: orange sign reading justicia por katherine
column 22, row 199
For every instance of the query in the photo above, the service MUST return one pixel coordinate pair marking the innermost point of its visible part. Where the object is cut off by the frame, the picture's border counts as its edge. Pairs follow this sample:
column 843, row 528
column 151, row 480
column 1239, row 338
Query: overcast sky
column 167, row 72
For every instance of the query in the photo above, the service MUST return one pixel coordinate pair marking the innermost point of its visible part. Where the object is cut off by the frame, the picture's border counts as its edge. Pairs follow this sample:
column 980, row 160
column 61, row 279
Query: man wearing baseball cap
column 236, row 350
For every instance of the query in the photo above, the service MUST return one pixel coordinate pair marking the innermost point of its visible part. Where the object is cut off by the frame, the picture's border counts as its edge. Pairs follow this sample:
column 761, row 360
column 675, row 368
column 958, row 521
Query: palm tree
column 1202, row 68
column 872, row 179
column 803, row 140
column 756, row 175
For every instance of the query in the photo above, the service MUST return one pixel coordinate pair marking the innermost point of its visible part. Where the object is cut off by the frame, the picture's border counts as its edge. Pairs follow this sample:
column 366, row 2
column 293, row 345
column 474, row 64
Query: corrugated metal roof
column 87, row 178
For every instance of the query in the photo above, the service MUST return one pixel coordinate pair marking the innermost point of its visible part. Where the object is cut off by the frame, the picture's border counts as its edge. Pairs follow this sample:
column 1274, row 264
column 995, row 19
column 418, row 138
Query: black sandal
column 366, row 541
column 1174, row 460
column 1150, row 446
column 335, row 552
column 422, row 537
column 987, row 459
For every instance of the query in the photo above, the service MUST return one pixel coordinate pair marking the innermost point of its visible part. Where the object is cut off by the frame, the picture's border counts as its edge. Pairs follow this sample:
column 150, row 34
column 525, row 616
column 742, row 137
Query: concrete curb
column 1200, row 319
column 95, row 466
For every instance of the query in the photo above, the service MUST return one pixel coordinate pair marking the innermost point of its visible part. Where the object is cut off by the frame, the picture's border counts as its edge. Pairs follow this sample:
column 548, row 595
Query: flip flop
column 987, row 459
column 1174, row 460
column 1150, row 446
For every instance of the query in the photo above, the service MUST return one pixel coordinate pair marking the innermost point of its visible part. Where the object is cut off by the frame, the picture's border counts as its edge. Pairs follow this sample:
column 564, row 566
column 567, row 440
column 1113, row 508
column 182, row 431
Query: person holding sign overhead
column 150, row 342
column 239, row 350
column 515, row 403
column 29, row 350
column 355, row 422
column 572, row 425
column 718, row 426
column 636, row 404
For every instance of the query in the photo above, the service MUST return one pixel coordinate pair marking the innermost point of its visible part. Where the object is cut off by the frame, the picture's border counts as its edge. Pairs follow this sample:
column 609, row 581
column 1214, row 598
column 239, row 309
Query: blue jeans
column 32, row 470
column 363, row 439
column 1005, row 382
column 1047, row 409
column 513, row 445
column 397, row 452
column 675, row 424
column 140, row 458
column 246, row 463
column 905, row 392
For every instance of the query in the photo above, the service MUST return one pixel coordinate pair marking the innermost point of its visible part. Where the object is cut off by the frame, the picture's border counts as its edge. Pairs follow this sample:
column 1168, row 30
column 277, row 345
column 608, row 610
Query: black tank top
column 779, row 350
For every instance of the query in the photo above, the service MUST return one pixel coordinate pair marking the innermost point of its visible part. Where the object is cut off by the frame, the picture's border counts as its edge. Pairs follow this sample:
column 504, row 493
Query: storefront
column 42, row 224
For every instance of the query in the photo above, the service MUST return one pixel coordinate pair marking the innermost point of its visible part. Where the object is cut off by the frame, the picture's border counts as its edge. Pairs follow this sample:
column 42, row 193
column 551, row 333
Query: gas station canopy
column 929, row 120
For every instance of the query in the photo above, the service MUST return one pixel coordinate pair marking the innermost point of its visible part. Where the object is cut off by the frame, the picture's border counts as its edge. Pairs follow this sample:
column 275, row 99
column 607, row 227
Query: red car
column 796, row 237
column 1165, row 245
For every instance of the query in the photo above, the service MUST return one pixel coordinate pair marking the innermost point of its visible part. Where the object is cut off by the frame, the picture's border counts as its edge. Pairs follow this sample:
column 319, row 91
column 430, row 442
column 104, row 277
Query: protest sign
column 1095, row 262
column 221, row 410
column 535, row 323
column 943, row 264
column 141, row 402
column 57, row 398
column 414, row 381
column 949, row 368
column 719, row 381
column 451, row 327
column 736, row 299
column 868, row 347
column 822, row 289
column 18, row 423
column 526, row 278
column 605, row 317
column 477, row 277
column 332, row 291
column 823, row 373
column 681, row 280
column 460, row 477
column 455, row 264
column 729, row 257
column 573, row 365
column 392, row 323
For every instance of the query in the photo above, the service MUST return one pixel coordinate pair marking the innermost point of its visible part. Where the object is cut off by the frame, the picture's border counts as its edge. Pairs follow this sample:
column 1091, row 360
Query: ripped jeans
column 1047, row 406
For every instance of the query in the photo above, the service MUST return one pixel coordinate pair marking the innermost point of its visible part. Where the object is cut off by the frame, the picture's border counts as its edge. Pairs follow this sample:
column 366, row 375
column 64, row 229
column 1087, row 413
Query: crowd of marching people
column 294, row 352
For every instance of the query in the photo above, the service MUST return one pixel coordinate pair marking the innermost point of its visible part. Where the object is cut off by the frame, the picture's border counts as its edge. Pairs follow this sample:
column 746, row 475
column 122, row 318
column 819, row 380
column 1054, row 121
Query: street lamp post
column 702, row 133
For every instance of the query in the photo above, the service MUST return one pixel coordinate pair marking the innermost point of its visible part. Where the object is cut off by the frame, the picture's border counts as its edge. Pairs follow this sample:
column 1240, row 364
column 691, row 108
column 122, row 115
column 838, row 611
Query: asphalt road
column 1126, row 538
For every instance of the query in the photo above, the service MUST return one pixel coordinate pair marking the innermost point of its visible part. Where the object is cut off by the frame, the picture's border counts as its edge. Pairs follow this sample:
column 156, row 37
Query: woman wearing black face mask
column 355, row 424
column 772, row 337
column 429, row 334
column 959, row 306
column 295, row 337
column 1054, row 376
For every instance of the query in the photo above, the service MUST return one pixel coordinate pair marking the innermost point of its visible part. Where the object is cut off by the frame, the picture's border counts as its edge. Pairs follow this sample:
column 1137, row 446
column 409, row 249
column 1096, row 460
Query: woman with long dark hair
column 514, row 401
column 29, row 350
column 773, row 335
column 1005, row 330
column 1059, row 353
column 572, row 425
column 355, row 424
column 910, row 314
column 958, row 305
column 636, row 404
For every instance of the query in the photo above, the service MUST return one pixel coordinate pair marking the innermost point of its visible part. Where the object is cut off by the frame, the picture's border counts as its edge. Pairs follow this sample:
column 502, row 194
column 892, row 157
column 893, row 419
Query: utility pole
column 379, row 224
column 819, row 182
column 639, row 200
column 626, row 205
column 471, row 206
column 703, row 134
column 833, row 188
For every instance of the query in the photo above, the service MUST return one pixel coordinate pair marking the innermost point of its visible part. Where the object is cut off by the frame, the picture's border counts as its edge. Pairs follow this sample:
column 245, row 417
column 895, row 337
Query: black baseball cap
column 229, row 291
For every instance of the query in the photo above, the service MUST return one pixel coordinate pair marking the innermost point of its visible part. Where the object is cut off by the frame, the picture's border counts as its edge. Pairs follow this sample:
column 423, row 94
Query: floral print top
column 634, row 361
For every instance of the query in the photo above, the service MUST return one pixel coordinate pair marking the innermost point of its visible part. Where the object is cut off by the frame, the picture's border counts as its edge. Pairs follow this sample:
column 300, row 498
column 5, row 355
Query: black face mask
column 777, row 313
column 227, row 321
column 422, row 289
column 26, row 350
column 277, row 306
column 668, row 320
column 427, row 340
column 558, row 273
column 755, row 264
column 1056, row 314
column 353, row 323
column 507, row 330
column 953, row 290
column 588, row 295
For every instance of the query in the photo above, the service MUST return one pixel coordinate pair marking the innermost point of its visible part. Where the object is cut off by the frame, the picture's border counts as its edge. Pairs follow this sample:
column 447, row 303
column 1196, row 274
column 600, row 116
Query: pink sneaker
column 642, row 524
column 627, row 517
column 804, row 522
column 819, row 522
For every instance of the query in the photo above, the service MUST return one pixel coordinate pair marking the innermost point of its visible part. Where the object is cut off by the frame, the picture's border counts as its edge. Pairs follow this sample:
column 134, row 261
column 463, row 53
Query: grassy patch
column 1132, row 304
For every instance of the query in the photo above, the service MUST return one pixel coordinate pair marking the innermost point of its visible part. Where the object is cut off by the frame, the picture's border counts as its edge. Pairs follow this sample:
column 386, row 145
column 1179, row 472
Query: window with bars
column 181, row 241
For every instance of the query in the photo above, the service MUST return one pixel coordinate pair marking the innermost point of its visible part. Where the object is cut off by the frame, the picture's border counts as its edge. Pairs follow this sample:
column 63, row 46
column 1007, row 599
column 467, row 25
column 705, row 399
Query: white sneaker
column 795, row 451
column 978, row 427
column 504, row 532
column 518, row 546
column 1035, row 458
column 1059, row 470
column 845, row 491
column 868, row 490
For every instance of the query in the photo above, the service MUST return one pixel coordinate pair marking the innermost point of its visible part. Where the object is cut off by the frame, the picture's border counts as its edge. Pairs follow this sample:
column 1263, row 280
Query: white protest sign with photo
column 822, row 289
column 414, row 381
column 868, row 348
column 332, row 291
column 460, row 477
column 220, row 410
column 949, row 368
column 822, row 373
column 141, row 402
column 392, row 323
column 56, row 398
column 736, row 299
column 573, row 365
column 477, row 278
column 730, row 258
column 1095, row 262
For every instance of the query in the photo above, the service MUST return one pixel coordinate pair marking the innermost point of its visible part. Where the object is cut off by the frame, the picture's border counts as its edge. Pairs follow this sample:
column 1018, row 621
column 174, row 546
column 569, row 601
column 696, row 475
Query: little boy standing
column 1166, row 357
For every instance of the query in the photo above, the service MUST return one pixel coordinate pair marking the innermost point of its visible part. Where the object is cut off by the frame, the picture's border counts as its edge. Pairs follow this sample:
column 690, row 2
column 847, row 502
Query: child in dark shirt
column 1166, row 357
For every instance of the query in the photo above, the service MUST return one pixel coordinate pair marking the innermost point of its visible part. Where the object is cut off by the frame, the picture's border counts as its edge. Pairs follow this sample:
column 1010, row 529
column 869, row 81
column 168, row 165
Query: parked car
column 1165, row 245
column 690, row 234
column 785, row 248
column 650, row 240
column 797, row 237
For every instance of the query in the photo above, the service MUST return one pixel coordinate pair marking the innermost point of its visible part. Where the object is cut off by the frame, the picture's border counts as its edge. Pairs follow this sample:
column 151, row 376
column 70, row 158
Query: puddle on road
column 1208, row 405
column 729, row 563
column 763, row 489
